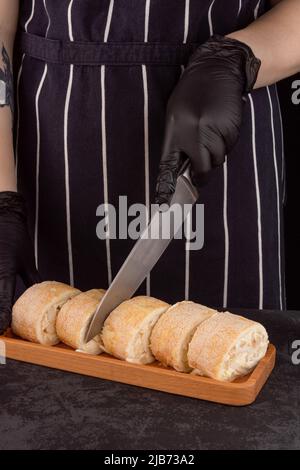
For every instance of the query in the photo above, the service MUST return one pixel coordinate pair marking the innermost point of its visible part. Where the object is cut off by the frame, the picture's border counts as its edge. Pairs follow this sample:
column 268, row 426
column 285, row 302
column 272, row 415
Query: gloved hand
column 16, row 252
column 204, row 112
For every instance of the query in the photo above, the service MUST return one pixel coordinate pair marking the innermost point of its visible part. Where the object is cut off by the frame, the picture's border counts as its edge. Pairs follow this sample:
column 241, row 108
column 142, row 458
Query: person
column 111, row 98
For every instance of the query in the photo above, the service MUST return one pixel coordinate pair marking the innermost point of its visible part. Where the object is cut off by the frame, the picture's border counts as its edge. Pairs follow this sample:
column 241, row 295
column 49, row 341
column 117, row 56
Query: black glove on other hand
column 16, row 252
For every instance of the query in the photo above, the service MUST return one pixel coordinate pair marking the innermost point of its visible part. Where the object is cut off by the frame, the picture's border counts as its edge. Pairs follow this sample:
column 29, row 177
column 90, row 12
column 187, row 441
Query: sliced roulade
column 227, row 346
column 126, row 332
column 173, row 332
column 34, row 313
column 74, row 319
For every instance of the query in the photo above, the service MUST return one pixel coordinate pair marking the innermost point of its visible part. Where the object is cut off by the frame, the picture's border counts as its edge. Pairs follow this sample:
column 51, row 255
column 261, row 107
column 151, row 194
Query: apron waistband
column 109, row 53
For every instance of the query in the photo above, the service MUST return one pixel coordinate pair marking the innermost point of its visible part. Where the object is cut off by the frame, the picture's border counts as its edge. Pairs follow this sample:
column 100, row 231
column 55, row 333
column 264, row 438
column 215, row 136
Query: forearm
column 275, row 40
column 8, row 21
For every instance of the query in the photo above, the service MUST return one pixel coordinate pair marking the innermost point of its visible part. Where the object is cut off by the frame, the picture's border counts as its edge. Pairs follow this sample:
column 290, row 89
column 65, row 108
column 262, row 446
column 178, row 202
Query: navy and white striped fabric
column 93, row 79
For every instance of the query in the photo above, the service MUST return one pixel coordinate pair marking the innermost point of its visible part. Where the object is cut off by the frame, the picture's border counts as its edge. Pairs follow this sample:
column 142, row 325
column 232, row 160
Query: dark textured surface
column 48, row 409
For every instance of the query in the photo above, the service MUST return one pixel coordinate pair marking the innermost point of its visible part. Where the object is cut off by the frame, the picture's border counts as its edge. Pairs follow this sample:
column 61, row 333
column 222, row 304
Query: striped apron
column 92, row 82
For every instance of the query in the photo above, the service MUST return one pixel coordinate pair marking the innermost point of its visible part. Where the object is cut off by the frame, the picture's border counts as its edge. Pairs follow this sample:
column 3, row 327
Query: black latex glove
column 204, row 112
column 16, row 252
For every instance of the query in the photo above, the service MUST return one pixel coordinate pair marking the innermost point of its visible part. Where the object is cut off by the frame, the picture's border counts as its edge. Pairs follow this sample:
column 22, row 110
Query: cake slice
column 126, row 332
column 74, row 319
column 227, row 346
column 174, row 330
column 34, row 313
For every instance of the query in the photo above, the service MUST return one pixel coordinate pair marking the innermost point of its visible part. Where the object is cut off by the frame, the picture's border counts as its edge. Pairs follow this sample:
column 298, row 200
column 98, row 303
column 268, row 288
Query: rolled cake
column 174, row 330
column 227, row 346
column 126, row 332
column 95, row 293
column 34, row 313
column 74, row 319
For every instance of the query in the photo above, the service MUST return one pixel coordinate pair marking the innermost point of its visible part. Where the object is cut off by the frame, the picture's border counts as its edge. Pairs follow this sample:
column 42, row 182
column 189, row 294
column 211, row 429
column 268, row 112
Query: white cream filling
column 46, row 331
column 94, row 346
column 247, row 351
column 138, row 350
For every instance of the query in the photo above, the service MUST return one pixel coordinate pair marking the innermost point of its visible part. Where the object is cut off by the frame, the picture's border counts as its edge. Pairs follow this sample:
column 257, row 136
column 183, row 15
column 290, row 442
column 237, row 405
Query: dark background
column 291, row 125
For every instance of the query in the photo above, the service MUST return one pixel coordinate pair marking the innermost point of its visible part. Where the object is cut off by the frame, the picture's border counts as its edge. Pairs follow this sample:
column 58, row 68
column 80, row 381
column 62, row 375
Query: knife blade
column 146, row 251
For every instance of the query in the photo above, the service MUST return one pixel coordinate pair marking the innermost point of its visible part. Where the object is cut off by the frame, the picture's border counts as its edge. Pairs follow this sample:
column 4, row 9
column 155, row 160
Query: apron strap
column 108, row 53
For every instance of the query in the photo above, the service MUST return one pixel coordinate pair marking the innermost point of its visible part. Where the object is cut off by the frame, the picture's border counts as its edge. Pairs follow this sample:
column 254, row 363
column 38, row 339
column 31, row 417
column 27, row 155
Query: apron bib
column 92, row 83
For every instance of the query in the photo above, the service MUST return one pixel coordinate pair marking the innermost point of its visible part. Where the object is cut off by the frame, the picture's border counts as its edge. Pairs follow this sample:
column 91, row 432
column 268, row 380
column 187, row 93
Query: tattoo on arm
column 6, row 82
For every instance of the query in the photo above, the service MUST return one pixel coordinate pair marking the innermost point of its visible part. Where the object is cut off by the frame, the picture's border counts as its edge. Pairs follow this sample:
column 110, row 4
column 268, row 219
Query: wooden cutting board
column 241, row 392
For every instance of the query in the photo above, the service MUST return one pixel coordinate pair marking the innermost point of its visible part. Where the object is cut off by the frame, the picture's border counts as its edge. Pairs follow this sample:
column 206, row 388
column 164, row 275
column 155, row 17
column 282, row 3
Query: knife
column 146, row 251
